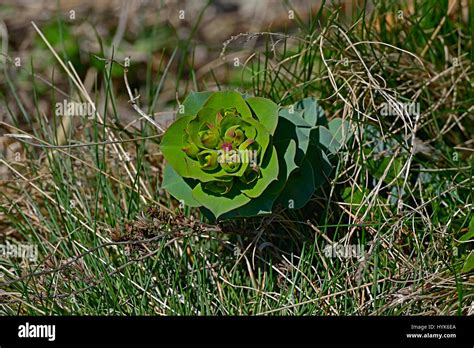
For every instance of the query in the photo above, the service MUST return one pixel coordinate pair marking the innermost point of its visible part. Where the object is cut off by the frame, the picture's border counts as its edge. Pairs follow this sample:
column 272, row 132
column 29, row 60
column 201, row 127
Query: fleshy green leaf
column 262, row 138
column 326, row 139
column 293, row 126
column 269, row 172
column 219, row 187
column 193, row 103
column 289, row 157
column 266, row 111
column 178, row 187
column 264, row 203
column 172, row 145
column 299, row 188
column 322, row 167
column 217, row 204
column 313, row 114
column 258, row 206
column 227, row 100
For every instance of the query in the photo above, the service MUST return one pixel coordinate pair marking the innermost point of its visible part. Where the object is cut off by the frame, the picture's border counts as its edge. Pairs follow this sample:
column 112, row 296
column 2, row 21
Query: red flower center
column 227, row 146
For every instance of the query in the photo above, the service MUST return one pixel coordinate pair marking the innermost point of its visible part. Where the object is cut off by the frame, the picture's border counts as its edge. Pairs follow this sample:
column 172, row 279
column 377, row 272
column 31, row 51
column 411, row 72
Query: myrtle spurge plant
column 238, row 156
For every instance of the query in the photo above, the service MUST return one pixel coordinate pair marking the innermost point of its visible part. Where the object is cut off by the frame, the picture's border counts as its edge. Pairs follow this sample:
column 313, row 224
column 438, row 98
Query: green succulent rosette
column 237, row 156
